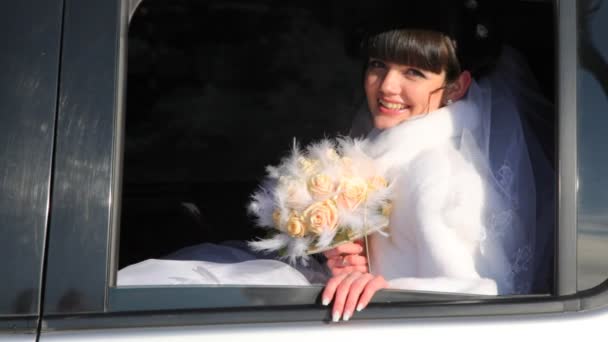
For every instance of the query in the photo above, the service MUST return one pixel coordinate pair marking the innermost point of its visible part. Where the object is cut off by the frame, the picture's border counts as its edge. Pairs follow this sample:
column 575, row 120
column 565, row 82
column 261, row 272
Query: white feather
column 272, row 244
column 326, row 238
column 297, row 249
column 262, row 206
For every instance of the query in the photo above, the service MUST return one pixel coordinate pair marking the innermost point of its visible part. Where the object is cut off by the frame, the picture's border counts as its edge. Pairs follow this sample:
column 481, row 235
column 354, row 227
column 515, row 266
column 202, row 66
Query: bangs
column 427, row 50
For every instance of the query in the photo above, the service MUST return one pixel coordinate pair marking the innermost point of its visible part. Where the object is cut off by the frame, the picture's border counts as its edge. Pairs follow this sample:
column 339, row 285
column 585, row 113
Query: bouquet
column 330, row 193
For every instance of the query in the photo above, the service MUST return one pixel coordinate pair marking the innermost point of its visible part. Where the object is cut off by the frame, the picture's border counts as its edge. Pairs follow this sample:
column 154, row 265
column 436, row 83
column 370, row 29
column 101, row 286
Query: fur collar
column 403, row 142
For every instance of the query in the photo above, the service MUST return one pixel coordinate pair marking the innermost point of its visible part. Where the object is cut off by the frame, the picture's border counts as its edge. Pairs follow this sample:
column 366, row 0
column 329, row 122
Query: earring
column 449, row 102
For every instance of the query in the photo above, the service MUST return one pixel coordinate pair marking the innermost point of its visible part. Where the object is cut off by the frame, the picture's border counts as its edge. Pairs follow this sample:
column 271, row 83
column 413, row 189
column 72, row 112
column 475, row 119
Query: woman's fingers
column 346, row 260
column 375, row 284
column 361, row 243
column 349, row 269
column 355, row 260
column 351, row 292
column 350, row 248
column 335, row 262
column 341, row 293
column 348, row 263
column 330, row 288
column 347, row 248
column 362, row 269
column 356, row 288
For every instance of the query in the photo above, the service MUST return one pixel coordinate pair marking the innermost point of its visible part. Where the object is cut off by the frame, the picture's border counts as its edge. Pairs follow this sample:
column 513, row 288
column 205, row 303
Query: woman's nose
column 390, row 83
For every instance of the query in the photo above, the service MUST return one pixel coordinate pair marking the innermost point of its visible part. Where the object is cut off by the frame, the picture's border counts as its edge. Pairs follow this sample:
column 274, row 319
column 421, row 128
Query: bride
column 464, row 219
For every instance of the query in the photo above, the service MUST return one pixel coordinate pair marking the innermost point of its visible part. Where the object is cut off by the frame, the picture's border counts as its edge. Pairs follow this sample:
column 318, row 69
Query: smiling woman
column 408, row 74
column 463, row 218
column 397, row 92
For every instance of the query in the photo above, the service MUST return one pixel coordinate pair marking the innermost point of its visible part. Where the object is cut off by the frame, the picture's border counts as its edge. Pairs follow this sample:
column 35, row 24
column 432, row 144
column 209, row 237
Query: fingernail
column 336, row 316
column 359, row 307
column 325, row 301
column 346, row 316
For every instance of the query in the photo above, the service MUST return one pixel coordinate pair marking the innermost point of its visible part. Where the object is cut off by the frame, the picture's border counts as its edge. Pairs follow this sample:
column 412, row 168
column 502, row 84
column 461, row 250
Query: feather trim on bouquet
column 330, row 193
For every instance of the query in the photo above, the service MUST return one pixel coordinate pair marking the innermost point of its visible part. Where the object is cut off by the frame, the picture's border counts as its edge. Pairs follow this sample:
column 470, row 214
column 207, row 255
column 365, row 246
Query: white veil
column 519, row 179
column 521, row 173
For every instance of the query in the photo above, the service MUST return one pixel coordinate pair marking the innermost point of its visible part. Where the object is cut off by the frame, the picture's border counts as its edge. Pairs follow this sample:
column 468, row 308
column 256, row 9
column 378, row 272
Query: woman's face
column 397, row 92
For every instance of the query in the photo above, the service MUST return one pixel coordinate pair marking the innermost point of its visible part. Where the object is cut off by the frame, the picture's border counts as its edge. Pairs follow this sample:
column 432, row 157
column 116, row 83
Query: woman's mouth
column 391, row 107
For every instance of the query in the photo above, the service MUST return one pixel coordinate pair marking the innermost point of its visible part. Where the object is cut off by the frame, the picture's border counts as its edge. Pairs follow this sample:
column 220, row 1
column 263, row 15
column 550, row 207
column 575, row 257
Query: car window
column 592, row 159
column 210, row 105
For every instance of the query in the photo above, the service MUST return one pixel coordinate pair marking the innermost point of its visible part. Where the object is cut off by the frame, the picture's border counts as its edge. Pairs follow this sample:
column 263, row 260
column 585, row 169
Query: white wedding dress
column 229, row 263
column 438, row 235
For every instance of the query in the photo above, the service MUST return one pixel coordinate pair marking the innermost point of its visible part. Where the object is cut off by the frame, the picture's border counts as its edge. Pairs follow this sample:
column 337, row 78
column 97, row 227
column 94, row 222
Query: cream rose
column 321, row 186
column 307, row 165
column 377, row 182
column 295, row 226
column 353, row 192
column 321, row 216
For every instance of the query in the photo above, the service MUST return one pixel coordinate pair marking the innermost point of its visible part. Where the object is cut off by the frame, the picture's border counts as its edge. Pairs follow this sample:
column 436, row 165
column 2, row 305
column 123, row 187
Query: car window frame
column 87, row 153
column 592, row 86
column 97, row 294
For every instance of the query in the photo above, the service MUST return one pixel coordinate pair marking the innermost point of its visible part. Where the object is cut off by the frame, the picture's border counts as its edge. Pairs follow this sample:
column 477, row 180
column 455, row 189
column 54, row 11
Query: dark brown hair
column 424, row 49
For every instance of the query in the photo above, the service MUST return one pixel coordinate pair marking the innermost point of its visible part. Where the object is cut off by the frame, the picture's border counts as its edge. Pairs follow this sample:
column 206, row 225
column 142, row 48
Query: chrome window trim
column 566, row 256
column 592, row 161
column 132, row 298
column 118, row 144
column 132, row 7
column 383, row 308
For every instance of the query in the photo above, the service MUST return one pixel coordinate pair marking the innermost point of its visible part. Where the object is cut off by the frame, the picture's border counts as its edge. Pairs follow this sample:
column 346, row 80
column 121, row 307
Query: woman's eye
column 375, row 64
column 415, row 72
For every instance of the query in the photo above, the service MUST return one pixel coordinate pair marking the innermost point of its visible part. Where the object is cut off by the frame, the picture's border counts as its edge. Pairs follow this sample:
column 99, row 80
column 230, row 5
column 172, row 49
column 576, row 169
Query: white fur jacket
column 436, row 236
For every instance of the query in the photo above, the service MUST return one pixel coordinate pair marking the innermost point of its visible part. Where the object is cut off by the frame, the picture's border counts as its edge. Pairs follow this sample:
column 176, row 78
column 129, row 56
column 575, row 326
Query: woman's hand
column 350, row 292
column 347, row 258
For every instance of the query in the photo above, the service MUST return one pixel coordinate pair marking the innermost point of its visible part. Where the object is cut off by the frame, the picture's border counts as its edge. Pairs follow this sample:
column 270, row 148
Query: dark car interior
column 218, row 89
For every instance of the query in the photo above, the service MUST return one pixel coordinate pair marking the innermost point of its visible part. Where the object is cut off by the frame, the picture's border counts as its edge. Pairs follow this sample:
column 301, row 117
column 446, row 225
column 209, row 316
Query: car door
column 82, row 301
column 29, row 63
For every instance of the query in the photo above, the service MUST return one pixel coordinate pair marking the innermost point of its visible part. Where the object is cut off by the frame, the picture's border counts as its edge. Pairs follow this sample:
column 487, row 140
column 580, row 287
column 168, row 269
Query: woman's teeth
column 390, row 105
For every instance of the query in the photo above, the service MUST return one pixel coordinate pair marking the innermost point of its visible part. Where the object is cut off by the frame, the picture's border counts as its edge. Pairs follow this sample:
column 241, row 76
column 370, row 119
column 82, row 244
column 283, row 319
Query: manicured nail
column 346, row 316
column 336, row 316
column 359, row 307
column 325, row 301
